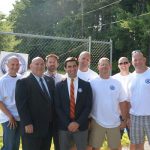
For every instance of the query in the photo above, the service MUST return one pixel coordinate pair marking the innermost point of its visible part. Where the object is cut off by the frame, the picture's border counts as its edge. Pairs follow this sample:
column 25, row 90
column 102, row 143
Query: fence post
column 90, row 42
column 111, row 49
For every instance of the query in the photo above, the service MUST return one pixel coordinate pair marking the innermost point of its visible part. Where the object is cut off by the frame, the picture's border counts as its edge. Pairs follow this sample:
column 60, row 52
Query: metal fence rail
column 39, row 45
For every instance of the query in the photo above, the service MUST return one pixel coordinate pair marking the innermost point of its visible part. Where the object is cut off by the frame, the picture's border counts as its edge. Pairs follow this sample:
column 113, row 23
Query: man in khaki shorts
column 108, row 96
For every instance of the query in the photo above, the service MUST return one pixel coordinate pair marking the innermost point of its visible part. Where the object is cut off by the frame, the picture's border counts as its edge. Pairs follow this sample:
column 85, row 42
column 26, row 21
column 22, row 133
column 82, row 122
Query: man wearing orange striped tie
column 73, row 106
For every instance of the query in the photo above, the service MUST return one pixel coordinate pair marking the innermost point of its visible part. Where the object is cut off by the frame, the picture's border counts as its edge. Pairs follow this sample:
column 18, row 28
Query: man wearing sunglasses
column 124, row 76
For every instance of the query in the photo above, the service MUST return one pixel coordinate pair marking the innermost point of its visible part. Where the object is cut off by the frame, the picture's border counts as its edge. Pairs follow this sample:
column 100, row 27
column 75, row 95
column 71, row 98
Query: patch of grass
column 1, row 138
column 125, row 141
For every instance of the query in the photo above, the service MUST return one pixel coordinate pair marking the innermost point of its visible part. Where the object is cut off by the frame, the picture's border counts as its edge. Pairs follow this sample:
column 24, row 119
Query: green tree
column 132, row 30
column 40, row 17
column 7, row 43
column 122, row 21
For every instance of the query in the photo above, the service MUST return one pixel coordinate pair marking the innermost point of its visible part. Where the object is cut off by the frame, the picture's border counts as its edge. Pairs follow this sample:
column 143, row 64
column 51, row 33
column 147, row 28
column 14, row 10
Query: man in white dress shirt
column 73, row 106
column 52, row 65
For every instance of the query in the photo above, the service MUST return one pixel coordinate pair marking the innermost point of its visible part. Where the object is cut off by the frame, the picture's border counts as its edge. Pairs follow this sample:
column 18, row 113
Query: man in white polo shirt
column 108, row 96
column 9, row 117
column 139, row 95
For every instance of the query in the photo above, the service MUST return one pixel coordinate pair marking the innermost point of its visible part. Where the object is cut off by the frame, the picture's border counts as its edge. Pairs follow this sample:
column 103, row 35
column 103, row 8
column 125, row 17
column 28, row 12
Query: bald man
column 9, row 117
column 84, row 72
column 107, row 98
column 124, row 77
column 34, row 99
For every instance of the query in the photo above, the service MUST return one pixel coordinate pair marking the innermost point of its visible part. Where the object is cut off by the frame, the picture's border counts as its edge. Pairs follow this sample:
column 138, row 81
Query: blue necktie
column 43, row 87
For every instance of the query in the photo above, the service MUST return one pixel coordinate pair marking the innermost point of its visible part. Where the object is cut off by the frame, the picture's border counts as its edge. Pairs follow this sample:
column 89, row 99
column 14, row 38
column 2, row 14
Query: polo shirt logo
column 147, row 81
column 112, row 87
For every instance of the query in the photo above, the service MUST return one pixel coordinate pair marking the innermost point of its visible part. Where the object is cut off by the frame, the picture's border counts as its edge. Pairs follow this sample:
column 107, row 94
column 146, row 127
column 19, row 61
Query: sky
column 6, row 6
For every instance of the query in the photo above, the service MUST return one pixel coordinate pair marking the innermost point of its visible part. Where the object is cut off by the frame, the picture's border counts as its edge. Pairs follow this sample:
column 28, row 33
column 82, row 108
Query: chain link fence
column 39, row 45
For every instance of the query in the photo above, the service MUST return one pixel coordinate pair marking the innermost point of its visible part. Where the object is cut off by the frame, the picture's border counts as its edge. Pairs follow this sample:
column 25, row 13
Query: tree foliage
column 6, row 42
column 126, row 22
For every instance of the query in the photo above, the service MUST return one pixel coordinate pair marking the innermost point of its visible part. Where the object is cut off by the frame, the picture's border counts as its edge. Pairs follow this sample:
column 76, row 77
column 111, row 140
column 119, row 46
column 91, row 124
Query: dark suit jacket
column 34, row 106
column 82, row 108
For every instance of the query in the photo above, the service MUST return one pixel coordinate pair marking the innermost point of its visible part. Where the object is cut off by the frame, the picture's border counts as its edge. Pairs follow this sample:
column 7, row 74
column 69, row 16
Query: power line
column 101, row 7
column 121, row 20
column 127, row 19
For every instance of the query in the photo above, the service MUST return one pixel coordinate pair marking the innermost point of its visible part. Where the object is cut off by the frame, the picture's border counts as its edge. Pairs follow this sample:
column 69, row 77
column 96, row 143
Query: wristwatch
column 123, row 120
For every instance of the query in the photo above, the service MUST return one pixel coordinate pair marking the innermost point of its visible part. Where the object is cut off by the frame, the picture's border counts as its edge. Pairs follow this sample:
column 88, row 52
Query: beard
column 52, row 69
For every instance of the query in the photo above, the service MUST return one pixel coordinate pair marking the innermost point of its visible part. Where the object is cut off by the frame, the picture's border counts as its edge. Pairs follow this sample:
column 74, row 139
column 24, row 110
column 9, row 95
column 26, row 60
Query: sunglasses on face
column 123, row 63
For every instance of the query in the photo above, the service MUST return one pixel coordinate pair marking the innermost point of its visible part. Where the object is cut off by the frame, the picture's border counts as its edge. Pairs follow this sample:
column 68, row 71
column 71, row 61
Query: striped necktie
column 43, row 87
column 72, row 100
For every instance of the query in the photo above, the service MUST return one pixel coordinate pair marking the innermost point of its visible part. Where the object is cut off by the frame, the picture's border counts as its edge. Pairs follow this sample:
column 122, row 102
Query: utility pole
column 82, row 19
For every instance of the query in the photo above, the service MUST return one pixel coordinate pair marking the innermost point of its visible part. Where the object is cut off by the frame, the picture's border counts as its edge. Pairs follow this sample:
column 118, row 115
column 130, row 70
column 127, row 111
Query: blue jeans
column 11, row 137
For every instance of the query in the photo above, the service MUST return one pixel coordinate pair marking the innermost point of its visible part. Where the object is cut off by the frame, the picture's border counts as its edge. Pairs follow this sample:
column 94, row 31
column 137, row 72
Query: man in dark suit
column 73, row 106
column 34, row 100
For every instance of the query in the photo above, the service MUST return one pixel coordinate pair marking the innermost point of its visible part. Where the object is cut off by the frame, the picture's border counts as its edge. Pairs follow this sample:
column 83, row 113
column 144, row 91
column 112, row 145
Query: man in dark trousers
column 51, row 72
column 34, row 100
column 73, row 106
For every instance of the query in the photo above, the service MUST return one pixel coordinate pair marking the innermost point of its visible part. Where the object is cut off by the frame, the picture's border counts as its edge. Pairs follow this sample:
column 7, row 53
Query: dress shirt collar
column 47, row 74
column 75, row 79
column 75, row 86
column 37, row 77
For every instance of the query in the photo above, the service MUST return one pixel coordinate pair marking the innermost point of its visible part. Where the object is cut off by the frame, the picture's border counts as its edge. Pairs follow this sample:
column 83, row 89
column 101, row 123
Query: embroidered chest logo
column 147, row 81
column 112, row 87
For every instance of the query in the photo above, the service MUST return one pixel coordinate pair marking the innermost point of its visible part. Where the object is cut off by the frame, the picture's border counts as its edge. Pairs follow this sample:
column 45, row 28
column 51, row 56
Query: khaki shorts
column 97, row 135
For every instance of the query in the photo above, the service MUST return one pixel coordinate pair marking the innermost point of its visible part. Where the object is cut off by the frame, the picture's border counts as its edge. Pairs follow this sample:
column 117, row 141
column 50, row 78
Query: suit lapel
column 36, row 84
column 79, row 90
column 47, row 80
column 66, row 91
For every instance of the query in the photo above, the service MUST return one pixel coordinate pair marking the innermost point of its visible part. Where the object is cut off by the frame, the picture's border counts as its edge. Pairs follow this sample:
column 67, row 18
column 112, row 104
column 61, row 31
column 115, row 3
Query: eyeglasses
column 123, row 63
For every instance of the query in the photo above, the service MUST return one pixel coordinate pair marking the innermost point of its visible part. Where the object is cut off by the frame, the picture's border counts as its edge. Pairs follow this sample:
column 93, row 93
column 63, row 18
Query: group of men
column 78, row 110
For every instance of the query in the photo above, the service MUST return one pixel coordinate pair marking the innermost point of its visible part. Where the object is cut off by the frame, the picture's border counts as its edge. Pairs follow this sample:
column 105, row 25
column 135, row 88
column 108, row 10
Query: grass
column 125, row 141
column 1, row 140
